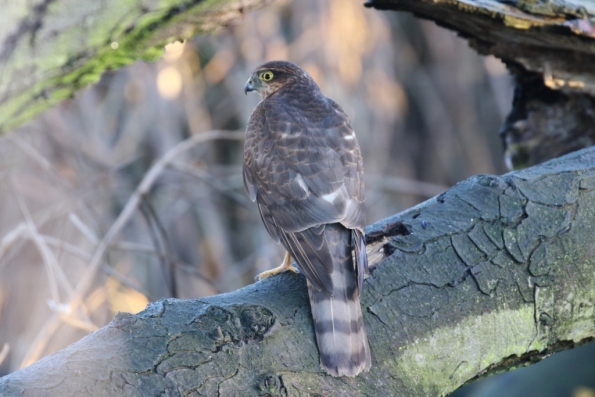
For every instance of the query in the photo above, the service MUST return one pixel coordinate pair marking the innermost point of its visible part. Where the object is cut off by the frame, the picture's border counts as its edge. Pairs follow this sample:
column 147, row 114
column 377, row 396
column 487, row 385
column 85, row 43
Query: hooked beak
column 249, row 87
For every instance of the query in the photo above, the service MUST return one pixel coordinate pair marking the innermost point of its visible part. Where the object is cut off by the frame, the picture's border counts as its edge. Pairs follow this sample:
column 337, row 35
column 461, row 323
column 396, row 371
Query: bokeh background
column 132, row 191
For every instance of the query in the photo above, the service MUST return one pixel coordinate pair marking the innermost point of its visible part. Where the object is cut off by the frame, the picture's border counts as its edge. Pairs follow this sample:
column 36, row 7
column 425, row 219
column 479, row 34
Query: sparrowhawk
column 303, row 167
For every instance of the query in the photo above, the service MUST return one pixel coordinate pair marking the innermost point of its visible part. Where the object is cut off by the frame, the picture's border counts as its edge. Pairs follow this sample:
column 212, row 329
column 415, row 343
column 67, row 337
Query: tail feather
column 338, row 322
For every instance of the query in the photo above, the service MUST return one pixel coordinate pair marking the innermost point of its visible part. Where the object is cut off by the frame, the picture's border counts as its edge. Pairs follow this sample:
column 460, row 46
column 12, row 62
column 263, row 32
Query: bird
column 303, row 167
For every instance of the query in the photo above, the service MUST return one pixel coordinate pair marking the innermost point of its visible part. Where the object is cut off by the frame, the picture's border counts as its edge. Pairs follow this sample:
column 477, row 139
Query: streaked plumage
column 303, row 167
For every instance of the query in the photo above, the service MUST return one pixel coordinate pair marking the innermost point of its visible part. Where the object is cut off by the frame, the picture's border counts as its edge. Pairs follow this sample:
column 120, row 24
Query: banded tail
column 338, row 322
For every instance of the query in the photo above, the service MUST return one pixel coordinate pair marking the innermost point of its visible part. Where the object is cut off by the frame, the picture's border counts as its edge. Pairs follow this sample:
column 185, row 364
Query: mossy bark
column 493, row 274
column 49, row 49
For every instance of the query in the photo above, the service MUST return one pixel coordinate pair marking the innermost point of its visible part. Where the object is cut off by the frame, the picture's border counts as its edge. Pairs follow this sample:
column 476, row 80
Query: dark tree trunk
column 549, row 48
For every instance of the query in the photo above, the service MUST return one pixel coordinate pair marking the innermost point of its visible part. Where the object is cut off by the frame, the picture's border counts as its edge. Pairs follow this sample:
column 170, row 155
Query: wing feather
column 309, row 261
column 304, row 169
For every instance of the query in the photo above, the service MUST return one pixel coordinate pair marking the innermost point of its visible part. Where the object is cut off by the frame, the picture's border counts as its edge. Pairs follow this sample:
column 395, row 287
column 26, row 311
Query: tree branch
column 554, row 39
column 492, row 274
column 549, row 47
column 50, row 49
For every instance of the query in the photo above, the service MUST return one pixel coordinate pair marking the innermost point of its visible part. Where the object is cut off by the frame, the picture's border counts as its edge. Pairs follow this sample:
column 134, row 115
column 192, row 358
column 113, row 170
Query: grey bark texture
column 495, row 273
column 549, row 47
column 49, row 49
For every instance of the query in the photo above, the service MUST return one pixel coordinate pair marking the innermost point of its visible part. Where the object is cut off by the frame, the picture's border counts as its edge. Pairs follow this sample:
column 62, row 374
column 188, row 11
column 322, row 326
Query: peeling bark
column 49, row 49
column 549, row 46
column 492, row 274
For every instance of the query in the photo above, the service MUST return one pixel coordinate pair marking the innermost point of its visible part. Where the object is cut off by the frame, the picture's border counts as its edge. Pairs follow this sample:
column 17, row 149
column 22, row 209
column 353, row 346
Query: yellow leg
column 285, row 265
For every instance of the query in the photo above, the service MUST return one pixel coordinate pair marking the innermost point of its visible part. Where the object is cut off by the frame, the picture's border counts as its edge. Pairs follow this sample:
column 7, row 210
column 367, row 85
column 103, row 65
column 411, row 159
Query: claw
column 285, row 265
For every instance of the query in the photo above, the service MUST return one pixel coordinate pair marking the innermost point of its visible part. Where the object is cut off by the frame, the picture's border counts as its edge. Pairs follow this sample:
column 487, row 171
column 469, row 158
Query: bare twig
column 134, row 201
column 167, row 266
column 4, row 352
column 11, row 238
column 55, row 274
column 82, row 227
column 85, row 256
column 127, row 246
column 49, row 260
column 77, row 296
column 213, row 182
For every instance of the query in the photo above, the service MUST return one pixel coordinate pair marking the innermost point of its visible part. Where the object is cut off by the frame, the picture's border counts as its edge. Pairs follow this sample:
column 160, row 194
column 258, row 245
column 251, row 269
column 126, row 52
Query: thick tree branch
column 549, row 47
column 494, row 273
column 49, row 49
column 554, row 39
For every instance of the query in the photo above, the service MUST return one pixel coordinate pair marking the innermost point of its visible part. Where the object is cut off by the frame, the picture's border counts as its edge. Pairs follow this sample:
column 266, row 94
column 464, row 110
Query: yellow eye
column 266, row 76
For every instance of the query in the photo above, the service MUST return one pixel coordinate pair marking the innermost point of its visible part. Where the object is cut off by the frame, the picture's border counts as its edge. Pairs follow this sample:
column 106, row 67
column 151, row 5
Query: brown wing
column 303, row 167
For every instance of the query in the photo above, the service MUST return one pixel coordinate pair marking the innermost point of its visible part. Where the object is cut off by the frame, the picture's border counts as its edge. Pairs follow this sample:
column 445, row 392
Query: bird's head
column 270, row 77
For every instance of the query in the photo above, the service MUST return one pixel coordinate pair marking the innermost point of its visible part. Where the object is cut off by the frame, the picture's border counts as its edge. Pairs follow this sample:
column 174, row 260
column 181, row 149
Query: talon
column 292, row 268
column 285, row 265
